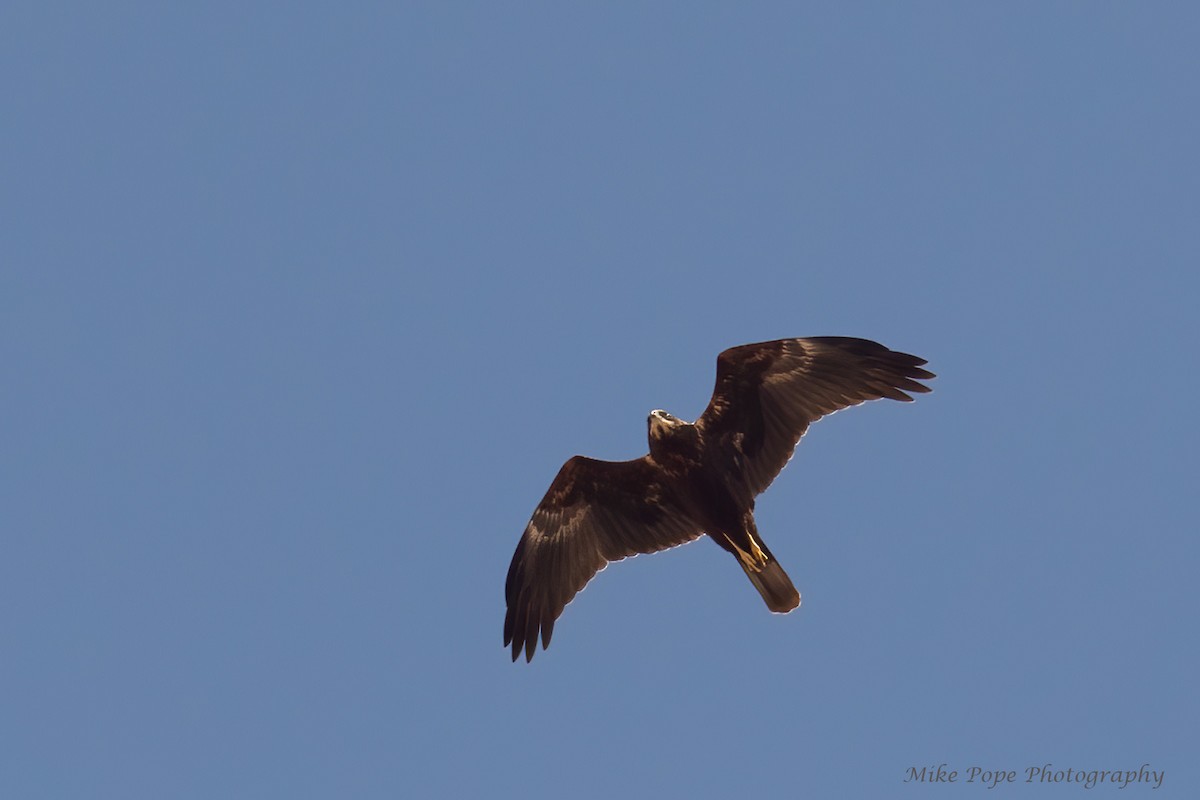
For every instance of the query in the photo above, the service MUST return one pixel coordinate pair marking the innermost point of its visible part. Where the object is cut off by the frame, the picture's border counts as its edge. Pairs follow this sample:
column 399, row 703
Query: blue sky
column 302, row 309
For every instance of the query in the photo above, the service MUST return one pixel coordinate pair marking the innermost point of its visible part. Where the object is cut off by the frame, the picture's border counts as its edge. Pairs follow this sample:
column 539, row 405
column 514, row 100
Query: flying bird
column 699, row 477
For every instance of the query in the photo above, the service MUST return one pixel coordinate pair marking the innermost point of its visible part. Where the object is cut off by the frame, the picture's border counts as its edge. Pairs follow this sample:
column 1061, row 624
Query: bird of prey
column 699, row 477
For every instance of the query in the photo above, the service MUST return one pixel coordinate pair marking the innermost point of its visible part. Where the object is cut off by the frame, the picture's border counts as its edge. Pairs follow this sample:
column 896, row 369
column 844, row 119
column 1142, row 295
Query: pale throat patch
column 661, row 422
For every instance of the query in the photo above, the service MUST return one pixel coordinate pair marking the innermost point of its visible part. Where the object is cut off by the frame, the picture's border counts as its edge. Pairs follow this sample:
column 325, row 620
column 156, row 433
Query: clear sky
column 301, row 310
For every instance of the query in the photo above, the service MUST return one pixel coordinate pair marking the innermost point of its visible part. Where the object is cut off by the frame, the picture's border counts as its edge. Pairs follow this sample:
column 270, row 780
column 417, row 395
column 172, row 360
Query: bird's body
column 698, row 478
column 723, row 510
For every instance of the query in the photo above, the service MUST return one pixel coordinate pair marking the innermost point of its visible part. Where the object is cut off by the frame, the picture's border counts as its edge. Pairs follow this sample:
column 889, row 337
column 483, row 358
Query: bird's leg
column 754, row 560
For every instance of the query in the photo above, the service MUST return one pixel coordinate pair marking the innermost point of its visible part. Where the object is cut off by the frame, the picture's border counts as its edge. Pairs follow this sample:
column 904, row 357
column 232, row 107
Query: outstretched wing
column 767, row 395
column 595, row 512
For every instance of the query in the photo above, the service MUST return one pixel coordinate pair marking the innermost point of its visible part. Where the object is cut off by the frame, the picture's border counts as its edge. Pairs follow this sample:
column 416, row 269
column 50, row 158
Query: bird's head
column 663, row 424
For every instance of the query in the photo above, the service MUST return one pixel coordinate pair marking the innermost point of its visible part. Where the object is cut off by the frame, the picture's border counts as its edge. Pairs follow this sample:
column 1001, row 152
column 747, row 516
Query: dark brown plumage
column 698, row 478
